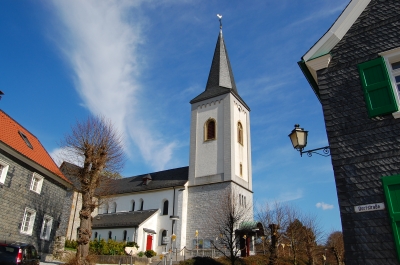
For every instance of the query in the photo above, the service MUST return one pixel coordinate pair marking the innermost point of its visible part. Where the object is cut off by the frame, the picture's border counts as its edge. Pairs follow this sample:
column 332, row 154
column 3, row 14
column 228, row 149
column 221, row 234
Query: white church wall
column 150, row 223
column 158, row 222
column 209, row 154
column 240, row 114
column 116, row 234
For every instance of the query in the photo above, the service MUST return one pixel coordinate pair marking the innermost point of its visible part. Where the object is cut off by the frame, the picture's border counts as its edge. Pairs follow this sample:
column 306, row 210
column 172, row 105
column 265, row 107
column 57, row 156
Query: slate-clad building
column 146, row 208
column 32, row 189
column 354, row 70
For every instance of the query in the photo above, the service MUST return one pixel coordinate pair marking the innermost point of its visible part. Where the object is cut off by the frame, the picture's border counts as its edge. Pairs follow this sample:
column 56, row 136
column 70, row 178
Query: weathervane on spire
column 220, row 20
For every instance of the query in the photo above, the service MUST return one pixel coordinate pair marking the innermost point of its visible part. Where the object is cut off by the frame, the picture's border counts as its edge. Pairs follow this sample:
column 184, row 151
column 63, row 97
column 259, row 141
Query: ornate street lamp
column 298, row 137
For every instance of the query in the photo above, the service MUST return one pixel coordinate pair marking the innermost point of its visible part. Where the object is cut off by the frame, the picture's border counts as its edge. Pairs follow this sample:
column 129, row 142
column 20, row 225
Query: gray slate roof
column 175, row 177
column 220, row 79
column 122, row 219
column 163, row 179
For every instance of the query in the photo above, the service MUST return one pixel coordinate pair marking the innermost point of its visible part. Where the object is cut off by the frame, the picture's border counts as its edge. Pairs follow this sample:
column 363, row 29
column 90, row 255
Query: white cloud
column 63, row 154
column 101, row 46
column 324, row 206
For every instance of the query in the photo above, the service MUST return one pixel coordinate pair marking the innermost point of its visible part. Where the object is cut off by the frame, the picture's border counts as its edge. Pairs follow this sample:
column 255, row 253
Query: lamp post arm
column 325, row 151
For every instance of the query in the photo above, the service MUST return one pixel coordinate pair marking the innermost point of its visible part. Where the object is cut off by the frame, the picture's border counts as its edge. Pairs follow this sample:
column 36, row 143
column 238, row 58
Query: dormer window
column 26, row 140
column 146, row 180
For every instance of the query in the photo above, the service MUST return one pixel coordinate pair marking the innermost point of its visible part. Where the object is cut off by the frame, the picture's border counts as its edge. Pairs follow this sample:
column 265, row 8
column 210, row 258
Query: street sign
column 369, row 207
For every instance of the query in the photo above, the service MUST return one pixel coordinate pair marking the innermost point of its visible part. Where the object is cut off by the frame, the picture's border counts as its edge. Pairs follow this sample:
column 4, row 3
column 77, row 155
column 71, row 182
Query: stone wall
column 203, row 201
column 363, row 149
column 15, row 196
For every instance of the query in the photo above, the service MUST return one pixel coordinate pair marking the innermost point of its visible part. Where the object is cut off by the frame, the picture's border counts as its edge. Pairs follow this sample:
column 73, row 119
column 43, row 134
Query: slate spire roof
column 220, row 79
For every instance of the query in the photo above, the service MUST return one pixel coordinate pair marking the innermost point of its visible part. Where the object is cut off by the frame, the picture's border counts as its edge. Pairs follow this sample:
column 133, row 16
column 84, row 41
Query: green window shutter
column 378, row 91
column 391, row 186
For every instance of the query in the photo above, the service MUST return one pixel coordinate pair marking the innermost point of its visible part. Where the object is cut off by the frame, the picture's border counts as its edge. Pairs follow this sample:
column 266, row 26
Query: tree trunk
column 85, row 229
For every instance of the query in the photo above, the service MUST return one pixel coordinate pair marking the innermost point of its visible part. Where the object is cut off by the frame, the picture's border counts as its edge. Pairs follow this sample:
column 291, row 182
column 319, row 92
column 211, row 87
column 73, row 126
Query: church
column 149, row 208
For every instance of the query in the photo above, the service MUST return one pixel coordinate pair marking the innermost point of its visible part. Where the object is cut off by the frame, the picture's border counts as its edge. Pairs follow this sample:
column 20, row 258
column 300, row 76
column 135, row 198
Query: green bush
column 150, row 253
column 140, row 254
column 132, row 244
column 109, row 247
column 71, row 244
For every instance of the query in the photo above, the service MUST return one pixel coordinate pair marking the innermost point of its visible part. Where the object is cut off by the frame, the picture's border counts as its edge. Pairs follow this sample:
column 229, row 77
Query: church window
column 141, row 204
column 210, row 130
column 165, row 208
column 133, row 205
column 163, row 234
column 113, row 207
column 241, row 169
column 240, row 133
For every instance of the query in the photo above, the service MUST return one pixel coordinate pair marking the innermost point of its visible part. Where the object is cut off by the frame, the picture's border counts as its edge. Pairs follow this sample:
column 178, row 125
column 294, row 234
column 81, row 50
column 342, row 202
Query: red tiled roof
column 9, row 135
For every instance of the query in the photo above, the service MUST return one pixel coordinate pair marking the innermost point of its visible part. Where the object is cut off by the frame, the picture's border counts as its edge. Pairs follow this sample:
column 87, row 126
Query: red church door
column 149, row 243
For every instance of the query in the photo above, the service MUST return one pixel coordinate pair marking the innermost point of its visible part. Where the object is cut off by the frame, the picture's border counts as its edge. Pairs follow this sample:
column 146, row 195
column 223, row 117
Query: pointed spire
column 221, row 72
column 220, row 79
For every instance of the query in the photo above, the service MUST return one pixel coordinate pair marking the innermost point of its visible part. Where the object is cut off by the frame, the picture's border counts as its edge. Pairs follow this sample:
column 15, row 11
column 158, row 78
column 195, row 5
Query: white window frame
column 31, row 221
column 46, row 227
column 3, row 172
column 393, row 56
column 39, row 178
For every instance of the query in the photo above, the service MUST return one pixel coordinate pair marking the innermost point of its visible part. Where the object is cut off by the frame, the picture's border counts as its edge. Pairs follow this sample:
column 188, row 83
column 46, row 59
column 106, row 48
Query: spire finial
column 220, row 21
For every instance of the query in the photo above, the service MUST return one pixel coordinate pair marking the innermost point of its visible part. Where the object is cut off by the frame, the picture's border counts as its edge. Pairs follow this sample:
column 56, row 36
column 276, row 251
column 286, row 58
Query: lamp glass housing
column 298, row 137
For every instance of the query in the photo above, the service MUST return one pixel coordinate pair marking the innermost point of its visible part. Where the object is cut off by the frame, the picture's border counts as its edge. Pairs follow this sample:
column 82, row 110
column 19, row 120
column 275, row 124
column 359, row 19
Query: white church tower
column 220, row 148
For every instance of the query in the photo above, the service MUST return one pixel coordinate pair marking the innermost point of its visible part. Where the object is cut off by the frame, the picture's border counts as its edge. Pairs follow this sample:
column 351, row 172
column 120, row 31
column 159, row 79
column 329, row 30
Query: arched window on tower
column 210, row 130
column 165, row 208
column 241, row 169
column 240, row 133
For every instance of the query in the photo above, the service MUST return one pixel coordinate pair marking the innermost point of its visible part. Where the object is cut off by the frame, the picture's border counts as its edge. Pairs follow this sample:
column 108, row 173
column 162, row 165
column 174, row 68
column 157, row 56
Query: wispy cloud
column 323, row 12
column 101, row 41
column 324, row 206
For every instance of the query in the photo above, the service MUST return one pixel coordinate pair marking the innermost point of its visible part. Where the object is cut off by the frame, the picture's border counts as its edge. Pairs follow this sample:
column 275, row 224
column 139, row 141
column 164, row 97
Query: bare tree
column 295, row 234
column 274, row 213
column 99, row 145
column 312, row 234
column 336, row 245
column 226, row 220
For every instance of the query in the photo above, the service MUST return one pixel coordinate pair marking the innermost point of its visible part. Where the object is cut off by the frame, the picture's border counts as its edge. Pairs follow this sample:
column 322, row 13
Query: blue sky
column 139, row 63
